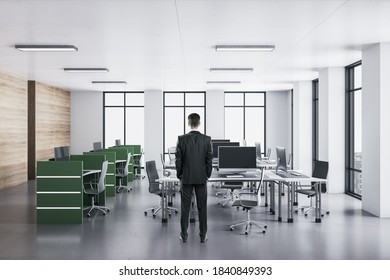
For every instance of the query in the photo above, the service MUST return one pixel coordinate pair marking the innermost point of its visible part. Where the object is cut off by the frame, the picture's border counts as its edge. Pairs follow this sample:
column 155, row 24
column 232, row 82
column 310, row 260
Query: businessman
column 193, row 166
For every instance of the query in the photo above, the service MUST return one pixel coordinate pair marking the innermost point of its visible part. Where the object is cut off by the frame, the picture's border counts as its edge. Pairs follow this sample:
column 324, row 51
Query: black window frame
column 315, row 120
column 244, row 106
column 184, row 106
column 349, row 129
column 124, row 106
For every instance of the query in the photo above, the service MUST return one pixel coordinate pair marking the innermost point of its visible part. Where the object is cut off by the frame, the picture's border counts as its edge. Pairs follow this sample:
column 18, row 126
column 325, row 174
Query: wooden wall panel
column 52, row 120
column 13, row 131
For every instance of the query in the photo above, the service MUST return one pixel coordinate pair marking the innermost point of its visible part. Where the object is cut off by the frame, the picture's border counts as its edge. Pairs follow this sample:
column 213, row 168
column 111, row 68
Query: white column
column 86, row 116
column 376, row 130
column 153, row 126
column 302, row 126
column 215, row 114
column 332, row 125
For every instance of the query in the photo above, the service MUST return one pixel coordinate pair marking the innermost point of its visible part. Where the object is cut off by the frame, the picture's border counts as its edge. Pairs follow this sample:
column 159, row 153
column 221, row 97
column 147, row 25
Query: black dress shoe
column 203, row 239
column 183, row 238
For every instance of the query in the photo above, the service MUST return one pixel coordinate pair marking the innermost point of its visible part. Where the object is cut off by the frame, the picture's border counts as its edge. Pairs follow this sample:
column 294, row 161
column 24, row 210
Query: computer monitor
column 281, row 163
column 97, row 146
column 258, row 150
column 117, row 142
column 220, row 140
column 216, row 145
column 237, row 159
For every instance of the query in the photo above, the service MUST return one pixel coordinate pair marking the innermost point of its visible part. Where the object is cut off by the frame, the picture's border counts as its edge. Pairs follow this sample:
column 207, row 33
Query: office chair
column 320, row 171
column 172, row 154
column 268, row 154
column 249, row 200
column 137, row 165
column 96, row 187
column 154, row 188
column 123, row 172
column 230, row 188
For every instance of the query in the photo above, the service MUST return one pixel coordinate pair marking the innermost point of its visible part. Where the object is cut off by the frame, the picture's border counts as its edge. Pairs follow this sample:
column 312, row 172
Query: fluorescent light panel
column 224, row 82
column 231, row 70
column 85, row 70
column 109, row 82
column 253, row 48
column 46, row 48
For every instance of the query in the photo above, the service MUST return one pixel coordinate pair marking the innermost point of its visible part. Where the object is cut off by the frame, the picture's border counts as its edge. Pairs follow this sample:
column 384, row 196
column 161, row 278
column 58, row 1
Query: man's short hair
column 194, row 119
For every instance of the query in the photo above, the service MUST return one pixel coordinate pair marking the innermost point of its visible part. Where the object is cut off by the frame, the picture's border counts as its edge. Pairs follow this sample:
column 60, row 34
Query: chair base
column 249, row 223
column 103, row 209
column 306, row 209
column 120, row 187
column 155, row 209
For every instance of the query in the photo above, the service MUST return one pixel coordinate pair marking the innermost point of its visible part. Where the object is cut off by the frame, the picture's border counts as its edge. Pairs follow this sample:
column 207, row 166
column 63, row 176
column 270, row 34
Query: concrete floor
column 126, row 233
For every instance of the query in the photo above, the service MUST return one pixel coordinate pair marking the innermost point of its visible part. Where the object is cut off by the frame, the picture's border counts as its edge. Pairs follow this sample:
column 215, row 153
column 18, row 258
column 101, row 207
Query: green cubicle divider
column 91, row 162
column 136, row 150
column 110, row 176
column 59, row 192
column 121, row 154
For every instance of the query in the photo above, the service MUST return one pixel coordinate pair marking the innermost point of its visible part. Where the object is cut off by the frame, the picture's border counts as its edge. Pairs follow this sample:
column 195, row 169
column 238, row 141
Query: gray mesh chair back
column 151, row 171
column 172, row 153
column 268, row 155
column 126, row 169
column 258, row 150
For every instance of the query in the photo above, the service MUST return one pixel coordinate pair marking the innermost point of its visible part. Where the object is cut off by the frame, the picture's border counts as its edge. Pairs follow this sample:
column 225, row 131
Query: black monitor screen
column 117, row 142
column 216, row 145
column 281, row 164
column 220, row 140
column 97, row 146
column 237, row 158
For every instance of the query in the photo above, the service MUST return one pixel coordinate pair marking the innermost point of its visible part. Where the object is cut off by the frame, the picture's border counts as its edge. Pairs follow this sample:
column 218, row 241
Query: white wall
column 332, row 125
column 86, row 120
column 302, row 112
column 215, row 114
column 153, row 126
column 278, row 121
column 376, row 130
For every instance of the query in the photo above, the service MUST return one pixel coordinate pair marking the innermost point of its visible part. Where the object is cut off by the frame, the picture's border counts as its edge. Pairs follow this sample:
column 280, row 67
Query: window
column 177, row 107
column 245, row 117
column 353, row 147
column 123, row 114
column 315, row 120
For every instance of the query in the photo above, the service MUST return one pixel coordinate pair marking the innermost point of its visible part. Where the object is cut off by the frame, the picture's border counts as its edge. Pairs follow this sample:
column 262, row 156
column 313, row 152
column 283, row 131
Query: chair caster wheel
column 152, row 210
column 302, row 209
column 104, row 213
column 238, row 208
column 128, row 190
column 176, row 211
column 88, row 215
column 322, row 215
column 296, row 211
column 265, row 226
column 154, row 216
column 327, row 212
column 169, row 214
column 108, row 210
column 231, row 229
column 246, row 233
column 263, row 231
column 146, row 213
column 305, row 215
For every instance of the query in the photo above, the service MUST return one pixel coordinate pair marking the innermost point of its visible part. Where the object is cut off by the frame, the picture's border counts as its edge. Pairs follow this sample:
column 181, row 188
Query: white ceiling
column 169, row 45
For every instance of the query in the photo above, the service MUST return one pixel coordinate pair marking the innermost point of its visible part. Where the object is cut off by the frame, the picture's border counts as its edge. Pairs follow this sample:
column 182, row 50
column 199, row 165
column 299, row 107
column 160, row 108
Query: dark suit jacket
column 194, row 158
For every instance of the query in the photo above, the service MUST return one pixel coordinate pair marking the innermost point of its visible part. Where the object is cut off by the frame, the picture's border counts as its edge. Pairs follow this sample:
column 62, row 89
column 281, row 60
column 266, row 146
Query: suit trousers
column 201, row 202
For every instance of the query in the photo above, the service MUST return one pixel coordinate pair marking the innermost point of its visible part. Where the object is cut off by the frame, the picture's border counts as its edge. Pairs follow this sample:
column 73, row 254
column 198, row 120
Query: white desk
column 87, row 172
column 291, row 183
column 165, row 181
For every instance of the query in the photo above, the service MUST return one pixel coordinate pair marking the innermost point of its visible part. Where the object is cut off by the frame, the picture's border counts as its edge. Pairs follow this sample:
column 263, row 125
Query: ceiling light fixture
column 238, row 48
column 109, row 82
column 46, row 48
column 86, row 70
column 217, row 70
column 224, row 82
